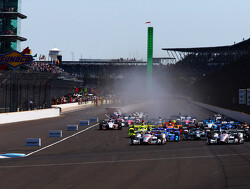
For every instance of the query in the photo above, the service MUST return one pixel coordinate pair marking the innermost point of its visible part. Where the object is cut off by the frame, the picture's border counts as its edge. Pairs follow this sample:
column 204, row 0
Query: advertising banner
column 242, row 96
column 15, row 59
column 248, row 97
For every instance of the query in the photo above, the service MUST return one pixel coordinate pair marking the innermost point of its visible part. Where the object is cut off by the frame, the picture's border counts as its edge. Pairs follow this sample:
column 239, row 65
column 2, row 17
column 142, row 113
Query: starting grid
column 52, row 133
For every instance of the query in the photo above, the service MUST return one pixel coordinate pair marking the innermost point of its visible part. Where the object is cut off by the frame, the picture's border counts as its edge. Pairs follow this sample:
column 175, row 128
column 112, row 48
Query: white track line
column 122, row 161
column 61, row 140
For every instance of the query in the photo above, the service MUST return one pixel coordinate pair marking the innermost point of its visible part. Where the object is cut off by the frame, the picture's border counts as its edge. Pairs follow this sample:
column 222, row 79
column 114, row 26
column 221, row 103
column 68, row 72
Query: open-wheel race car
column 110, row 124
column 173, row 134
column 194, row 133
column 149, row 137
column 226, row 137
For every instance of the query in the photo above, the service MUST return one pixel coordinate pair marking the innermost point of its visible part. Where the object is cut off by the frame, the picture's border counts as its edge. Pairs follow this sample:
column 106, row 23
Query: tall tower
column 10, row 25
column 150, row 59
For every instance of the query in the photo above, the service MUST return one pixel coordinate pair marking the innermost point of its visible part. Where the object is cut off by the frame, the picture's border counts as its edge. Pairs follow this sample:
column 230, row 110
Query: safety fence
column 22, row 91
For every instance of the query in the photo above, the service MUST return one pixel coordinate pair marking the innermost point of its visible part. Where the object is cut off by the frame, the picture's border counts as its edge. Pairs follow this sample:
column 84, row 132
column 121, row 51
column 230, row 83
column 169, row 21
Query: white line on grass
column 61, row 140
column 122, row 161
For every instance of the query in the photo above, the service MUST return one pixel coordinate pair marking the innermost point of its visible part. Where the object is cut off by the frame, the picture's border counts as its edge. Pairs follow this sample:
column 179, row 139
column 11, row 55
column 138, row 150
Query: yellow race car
column 133, row 129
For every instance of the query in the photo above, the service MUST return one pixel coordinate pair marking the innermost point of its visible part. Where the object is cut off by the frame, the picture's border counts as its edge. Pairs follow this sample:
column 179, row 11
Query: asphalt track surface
column 104, row 159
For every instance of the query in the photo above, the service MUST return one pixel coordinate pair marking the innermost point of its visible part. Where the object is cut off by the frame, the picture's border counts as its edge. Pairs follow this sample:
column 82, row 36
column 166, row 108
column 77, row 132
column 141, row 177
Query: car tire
column 241, row 142
column 100, row 127
column 208, row 141
column 131, row 142
column 163, row 141
column 177, row 134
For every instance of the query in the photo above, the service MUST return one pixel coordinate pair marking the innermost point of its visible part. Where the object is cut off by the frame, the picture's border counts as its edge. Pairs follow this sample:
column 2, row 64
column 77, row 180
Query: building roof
column 55, row 49
column 242, row 46
column 11, row 38
column 12, row 15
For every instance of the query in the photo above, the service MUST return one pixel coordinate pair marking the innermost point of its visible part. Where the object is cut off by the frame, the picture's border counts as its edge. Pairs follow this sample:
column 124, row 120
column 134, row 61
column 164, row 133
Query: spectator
column 31, row 104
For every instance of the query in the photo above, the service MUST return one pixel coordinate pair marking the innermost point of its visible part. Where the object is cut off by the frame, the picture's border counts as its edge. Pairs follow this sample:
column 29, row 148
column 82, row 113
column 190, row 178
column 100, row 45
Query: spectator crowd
column 45, row 67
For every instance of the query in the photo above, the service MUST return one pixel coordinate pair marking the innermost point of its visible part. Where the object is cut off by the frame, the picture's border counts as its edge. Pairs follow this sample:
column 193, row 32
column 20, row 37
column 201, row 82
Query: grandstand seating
column 221, row 88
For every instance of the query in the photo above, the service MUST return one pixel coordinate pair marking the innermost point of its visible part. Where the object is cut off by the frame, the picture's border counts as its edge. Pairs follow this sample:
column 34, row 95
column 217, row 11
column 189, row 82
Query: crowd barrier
column 28, row 115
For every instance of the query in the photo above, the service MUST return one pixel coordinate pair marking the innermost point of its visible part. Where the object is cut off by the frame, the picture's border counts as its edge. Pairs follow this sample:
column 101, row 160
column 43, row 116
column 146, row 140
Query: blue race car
column 172, row 134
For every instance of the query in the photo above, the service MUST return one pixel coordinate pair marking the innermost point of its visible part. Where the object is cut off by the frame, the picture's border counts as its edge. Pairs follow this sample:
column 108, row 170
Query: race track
column 104, row 159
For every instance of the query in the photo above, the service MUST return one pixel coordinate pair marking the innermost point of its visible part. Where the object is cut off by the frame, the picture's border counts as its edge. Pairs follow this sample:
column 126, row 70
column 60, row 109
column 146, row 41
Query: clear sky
column 116, row 28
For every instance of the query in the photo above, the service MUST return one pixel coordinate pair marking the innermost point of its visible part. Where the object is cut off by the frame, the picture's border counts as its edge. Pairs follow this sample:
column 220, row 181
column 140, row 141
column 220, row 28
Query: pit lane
column 104, row 159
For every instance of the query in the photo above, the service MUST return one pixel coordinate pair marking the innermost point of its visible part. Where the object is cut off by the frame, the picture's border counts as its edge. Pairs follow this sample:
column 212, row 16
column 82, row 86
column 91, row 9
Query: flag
column 35, row 55
column 147, row 23
column 26, row 51
column 42, row 57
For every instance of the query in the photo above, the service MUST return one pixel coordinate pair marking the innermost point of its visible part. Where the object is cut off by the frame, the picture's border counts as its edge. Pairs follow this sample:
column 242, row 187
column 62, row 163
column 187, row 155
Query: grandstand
column 215, row 74
column 206, row 60
column 187, row 65
column 221, row 88
column 206, row 74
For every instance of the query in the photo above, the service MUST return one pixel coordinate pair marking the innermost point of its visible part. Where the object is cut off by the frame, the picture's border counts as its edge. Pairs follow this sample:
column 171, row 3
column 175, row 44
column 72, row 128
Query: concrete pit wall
column 28, row 115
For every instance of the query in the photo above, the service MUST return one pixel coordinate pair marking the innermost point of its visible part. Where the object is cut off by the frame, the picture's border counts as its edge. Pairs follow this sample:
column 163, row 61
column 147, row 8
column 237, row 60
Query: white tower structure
column 53, row 53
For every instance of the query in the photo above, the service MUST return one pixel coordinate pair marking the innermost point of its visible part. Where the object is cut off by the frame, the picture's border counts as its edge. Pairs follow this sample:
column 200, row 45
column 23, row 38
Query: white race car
column 228, row 137
column 140, row 115
column 218, row 117
column 110, row 124
column 150, row 137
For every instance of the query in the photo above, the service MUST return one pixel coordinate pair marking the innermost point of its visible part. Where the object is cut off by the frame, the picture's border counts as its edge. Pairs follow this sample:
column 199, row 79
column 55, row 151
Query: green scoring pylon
column 150, row 59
